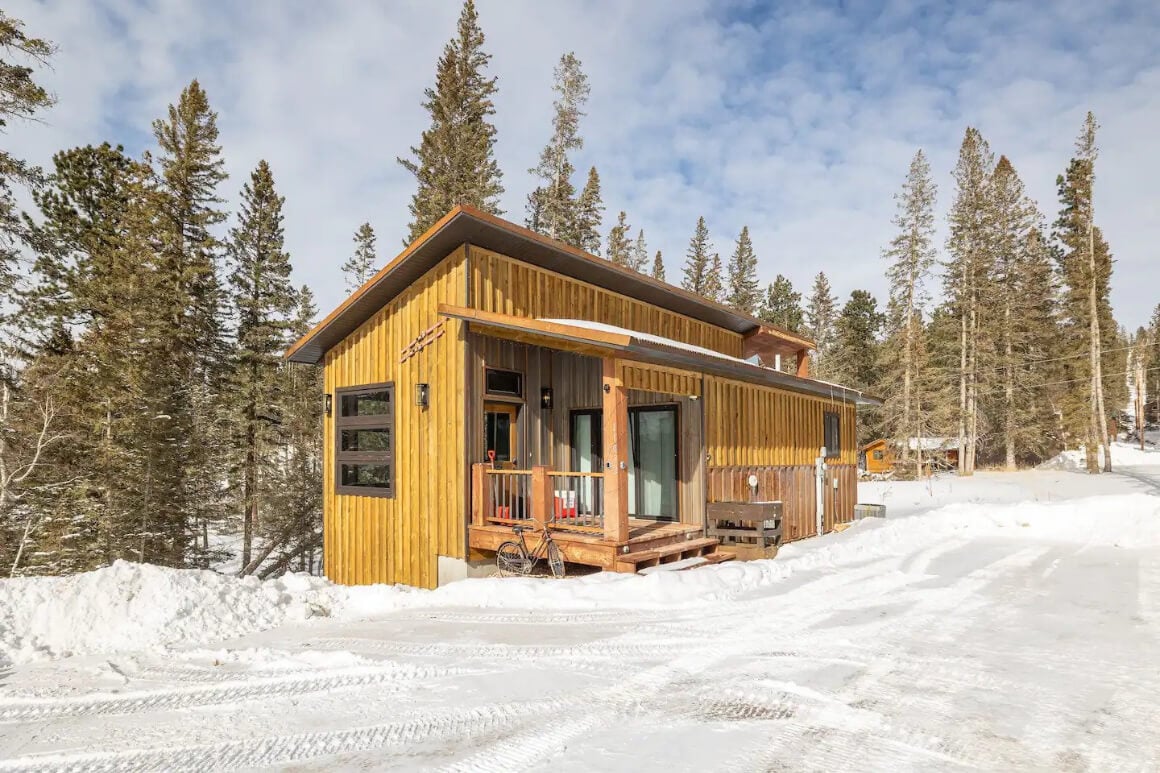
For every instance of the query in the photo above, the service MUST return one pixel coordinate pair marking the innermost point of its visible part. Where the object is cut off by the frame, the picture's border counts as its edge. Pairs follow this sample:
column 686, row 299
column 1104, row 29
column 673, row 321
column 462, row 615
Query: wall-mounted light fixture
column 328, row 403
column 422, row 394
column 546, row 398
column 607, row 388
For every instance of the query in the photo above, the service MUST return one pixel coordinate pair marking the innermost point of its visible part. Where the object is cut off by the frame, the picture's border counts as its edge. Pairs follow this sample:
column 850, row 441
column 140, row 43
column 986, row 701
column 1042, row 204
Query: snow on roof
column 673, row 344
column 932, row 443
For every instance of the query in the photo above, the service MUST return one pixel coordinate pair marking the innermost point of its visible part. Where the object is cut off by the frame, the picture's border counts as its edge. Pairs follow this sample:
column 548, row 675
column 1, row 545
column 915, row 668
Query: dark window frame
column 489, row 394
column 371, row 422
column 832, row 429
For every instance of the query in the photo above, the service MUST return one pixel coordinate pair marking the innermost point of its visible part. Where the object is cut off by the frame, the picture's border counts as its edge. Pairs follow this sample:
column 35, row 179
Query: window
column 365, row 441
column 499, row 430
column 833, row 439
column 507, row 383
column 879, row 456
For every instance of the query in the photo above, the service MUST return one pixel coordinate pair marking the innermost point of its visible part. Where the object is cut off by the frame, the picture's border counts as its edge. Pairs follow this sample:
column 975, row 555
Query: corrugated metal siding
column 372, row 539
column 506, row 286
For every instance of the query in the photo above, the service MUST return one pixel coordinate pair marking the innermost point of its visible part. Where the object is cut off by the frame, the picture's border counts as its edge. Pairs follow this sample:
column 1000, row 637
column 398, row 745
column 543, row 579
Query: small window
column 879, row 456
column 507, row 383
column 365, row 441
column 833, row 438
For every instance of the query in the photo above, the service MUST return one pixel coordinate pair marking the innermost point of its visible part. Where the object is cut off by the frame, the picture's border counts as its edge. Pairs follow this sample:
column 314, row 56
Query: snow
column 1123, row 454
column 604, row 327
column 1005, row 621
column 134, row 607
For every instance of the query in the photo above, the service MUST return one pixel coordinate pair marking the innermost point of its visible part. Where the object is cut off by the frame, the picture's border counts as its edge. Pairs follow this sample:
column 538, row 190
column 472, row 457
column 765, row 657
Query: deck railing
column 563, row 500
column 577, row 500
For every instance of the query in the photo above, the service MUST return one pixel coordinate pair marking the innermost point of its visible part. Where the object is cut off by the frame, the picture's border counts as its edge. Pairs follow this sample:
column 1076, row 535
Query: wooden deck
column 649, row 543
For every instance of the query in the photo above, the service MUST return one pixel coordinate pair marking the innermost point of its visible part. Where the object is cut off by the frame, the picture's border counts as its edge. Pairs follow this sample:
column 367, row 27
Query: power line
column 957, row 368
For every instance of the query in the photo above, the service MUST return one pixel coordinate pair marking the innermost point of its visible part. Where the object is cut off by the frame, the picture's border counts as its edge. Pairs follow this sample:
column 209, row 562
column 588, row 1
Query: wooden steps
column 671, row 553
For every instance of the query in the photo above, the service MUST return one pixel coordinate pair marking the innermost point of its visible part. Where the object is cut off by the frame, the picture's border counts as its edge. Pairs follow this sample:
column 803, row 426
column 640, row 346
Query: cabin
column 489, row 377
column 879, row 457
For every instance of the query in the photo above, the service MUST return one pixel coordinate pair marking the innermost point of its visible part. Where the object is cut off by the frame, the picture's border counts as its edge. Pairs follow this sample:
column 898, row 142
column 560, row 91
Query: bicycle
column 513, row 556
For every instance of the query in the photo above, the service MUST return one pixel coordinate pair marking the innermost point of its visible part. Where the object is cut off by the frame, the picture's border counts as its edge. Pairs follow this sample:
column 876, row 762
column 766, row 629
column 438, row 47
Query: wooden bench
column 755, row 524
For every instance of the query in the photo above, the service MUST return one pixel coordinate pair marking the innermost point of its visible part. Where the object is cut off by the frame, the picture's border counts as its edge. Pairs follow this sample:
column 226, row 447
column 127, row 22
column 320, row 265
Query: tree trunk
column 1100, row 418
column 963, row 390
column 1009, row 392
column 249, row 493
column 1141, row 396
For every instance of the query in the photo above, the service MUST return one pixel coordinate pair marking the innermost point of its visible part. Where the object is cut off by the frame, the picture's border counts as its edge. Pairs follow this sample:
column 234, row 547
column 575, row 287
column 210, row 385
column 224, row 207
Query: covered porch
column 608, row 454
column 601, row 435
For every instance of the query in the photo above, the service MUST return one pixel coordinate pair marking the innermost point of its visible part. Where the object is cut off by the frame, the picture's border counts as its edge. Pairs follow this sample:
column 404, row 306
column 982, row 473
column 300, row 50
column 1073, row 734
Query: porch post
column 803, row 363
column 615, row 429
column 479, row 494
column 541, row 494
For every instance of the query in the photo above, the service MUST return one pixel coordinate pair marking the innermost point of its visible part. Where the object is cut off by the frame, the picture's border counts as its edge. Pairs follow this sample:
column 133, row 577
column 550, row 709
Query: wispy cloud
column 797, row 119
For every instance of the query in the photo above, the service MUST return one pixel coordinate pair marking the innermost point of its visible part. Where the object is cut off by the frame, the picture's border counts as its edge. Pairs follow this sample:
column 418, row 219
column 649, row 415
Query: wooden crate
column 756, row 524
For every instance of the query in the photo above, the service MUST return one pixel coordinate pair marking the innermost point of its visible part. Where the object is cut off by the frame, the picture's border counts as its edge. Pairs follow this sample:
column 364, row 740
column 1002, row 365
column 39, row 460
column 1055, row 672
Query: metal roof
column 465, row 225
column 631, row 345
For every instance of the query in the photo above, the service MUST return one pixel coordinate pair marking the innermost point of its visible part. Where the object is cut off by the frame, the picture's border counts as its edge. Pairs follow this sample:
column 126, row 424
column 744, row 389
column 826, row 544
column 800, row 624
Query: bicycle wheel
column 510, row 557
column 555, row 560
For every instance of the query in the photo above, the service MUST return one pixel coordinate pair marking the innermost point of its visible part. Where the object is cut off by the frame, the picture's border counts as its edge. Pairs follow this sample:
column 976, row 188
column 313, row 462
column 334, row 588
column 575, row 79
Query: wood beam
column 616, row 461
column 803, row 363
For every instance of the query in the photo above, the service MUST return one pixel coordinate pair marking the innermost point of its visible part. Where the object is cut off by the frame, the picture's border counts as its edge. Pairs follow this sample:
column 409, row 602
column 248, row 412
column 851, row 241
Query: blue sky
column 797, row 119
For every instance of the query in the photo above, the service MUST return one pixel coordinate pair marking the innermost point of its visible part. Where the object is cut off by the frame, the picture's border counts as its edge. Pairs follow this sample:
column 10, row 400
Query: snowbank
column 140, row 607
column 130, row 606
column 1126, row 454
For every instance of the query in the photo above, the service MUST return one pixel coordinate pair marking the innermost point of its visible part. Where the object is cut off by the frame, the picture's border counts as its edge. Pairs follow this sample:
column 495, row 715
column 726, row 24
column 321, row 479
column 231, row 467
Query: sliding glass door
column 652, row 477
column 653, row 455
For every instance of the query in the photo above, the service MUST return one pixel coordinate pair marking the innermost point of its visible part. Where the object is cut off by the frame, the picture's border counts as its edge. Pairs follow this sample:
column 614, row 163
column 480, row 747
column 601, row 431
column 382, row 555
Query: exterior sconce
column 607, row 389
column 328, row 403
column 422, row 394
column 546, row 398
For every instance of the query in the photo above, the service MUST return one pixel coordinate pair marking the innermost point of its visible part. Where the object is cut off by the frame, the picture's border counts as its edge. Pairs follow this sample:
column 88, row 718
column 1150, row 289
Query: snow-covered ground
column 1009, row 621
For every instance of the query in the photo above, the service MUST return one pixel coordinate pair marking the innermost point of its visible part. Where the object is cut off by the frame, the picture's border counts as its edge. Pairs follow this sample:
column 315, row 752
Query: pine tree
column 455, row 160
column 783, row 305
column 293, row 532
column 966, row 279
column 715, row 280
column 820, row 318
column 553, row 208
column 21, row 98
column 263, row 300
column 744, row 290
column 658, row 267
column 1018, row 319
column 697, row 261
column 185, row 448
column 1085, row 267
column 363, row 264
column 853, row 360
column 94, row 275
column 911, row 255
column 1152, row 365
column 638, row 260
column 619, row 249
column 589, row 215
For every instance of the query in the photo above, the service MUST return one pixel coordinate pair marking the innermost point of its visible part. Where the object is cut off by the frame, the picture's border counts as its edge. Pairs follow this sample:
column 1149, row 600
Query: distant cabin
column 490, row 377
column 879, row 456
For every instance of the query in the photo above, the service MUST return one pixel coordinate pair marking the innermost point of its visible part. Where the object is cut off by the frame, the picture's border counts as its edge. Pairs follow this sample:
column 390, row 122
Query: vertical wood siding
column 775, row 435
column 506, row 286
column 374, row 539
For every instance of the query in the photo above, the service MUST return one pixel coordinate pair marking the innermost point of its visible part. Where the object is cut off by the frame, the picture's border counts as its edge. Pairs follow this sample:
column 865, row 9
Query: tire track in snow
column 29, row 709
column 881, row 684
column 1148, row 594
column 477, row 723
column 602, row 649
column 647, row 689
